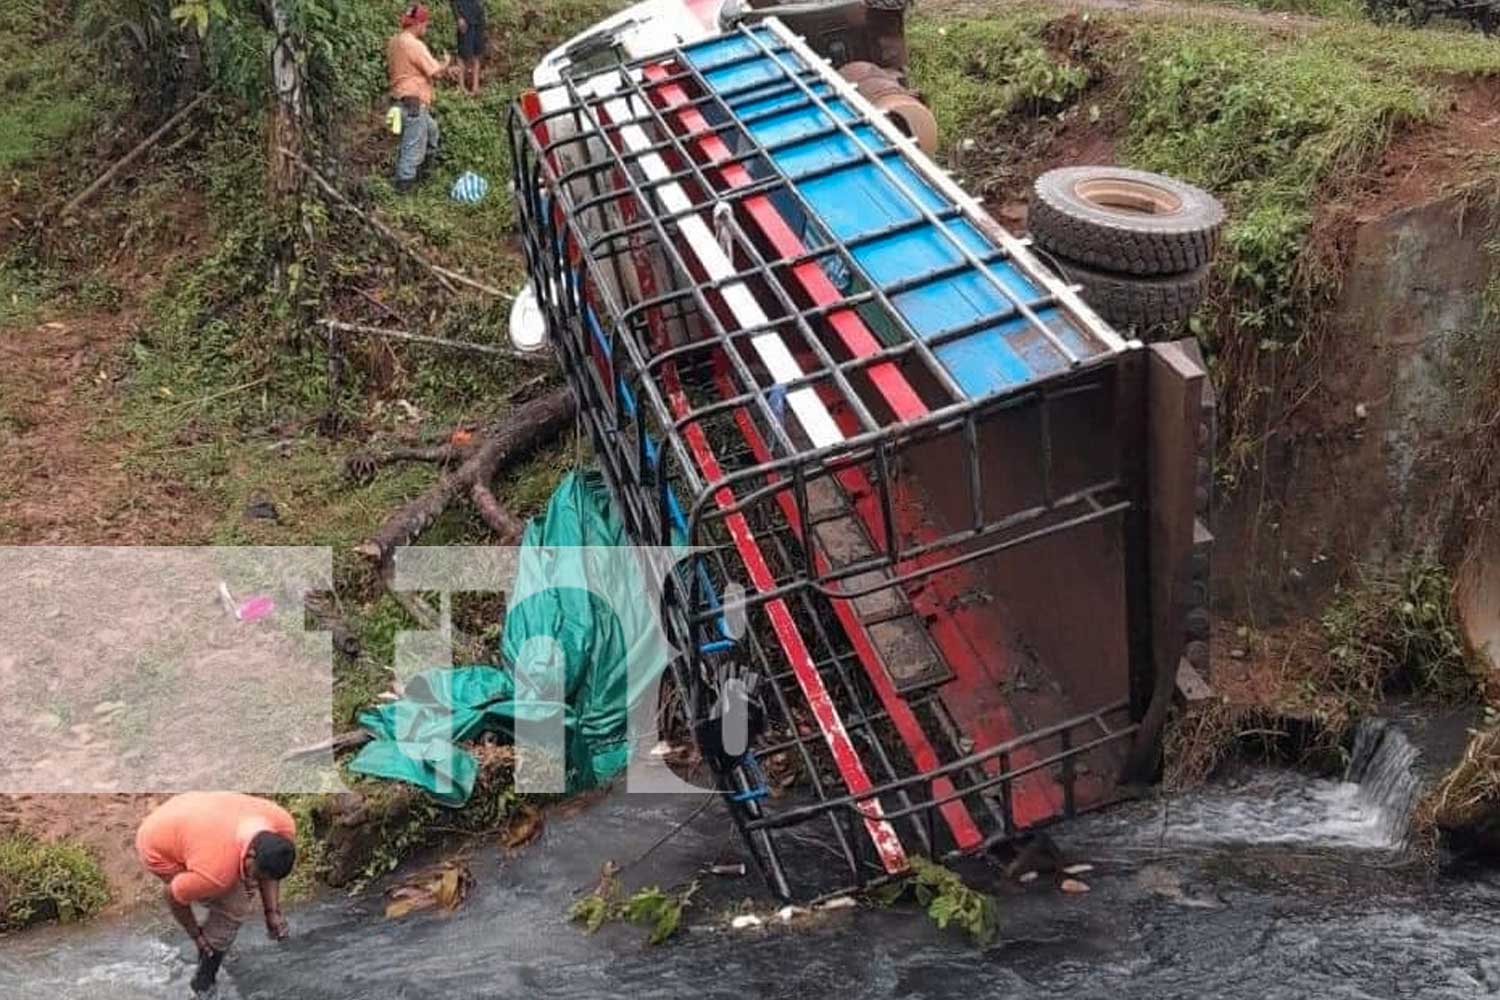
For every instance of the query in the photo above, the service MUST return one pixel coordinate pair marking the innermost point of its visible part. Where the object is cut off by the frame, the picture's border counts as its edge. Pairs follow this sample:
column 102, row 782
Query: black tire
column 1140, row 302
column 1079, row 213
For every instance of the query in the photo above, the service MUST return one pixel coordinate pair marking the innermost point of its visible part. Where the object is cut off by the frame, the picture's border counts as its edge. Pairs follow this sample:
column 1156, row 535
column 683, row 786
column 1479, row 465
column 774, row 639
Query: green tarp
column 581, row 641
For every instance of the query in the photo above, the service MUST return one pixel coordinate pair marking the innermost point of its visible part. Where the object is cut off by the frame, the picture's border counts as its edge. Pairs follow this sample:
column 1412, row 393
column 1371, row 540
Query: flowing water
column 1273, row 885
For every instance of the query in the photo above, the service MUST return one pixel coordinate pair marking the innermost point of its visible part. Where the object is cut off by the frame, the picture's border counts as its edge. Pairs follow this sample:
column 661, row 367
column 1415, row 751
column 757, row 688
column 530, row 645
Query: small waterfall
column 1383, row 767
column 1369, row 809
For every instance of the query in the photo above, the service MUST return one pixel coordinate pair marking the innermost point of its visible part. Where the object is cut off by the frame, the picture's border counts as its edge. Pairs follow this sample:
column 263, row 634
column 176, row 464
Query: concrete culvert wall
column 1365, row 472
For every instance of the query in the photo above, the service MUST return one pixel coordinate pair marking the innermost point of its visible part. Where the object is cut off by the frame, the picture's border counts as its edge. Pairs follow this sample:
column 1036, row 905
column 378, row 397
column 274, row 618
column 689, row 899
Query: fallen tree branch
column 506, row 526
column 384, row 230
column 464, row 279
column 134, row 154
column 393, row 314
column 524, row 429
column 422, row 338
column 336, row 744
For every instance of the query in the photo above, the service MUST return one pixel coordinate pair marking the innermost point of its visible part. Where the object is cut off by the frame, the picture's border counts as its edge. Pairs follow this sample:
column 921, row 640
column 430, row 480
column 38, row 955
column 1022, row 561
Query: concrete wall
column 1362, row 472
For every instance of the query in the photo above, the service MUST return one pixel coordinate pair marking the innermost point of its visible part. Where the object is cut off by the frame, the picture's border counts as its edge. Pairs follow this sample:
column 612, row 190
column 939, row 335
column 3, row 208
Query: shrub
column 1398, row 631
column 42, row 881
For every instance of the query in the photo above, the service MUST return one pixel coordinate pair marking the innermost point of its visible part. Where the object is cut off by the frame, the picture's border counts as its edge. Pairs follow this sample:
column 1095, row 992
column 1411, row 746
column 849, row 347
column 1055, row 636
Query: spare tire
column 1140, row 302
column 1127, row 221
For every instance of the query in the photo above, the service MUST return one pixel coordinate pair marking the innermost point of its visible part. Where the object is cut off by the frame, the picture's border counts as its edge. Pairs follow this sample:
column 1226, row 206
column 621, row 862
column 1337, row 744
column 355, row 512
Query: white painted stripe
column 816, row 421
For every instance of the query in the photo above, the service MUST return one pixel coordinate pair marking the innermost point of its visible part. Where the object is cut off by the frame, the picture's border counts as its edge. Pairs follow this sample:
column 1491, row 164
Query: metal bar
column 1002, row 778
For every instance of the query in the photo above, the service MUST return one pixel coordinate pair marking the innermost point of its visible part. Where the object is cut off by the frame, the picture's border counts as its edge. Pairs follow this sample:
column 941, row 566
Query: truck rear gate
column 914, row 460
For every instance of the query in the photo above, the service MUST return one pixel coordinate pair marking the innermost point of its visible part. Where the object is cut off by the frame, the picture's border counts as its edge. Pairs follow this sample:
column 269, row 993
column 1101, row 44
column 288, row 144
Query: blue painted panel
column 861, row 199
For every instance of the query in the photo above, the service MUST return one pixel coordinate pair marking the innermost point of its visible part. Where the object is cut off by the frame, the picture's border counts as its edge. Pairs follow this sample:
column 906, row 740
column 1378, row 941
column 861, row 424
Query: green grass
column 47, row 93
column 41, row 882
column 975, row 73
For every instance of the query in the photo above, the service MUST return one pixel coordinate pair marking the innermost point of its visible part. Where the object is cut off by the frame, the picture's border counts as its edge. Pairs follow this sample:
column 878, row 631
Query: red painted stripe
column 965, row 832
column 885, row 376
column 845, row 757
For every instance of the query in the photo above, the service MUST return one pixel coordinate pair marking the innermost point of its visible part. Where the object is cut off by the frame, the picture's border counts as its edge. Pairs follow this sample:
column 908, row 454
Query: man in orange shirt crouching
column 217, row 849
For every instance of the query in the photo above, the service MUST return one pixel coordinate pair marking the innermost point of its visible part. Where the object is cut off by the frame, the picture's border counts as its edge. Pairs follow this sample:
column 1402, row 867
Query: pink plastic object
column 256, row 608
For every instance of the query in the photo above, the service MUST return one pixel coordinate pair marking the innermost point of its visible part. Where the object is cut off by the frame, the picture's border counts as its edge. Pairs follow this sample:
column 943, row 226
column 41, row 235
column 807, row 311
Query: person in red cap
column 412, row 72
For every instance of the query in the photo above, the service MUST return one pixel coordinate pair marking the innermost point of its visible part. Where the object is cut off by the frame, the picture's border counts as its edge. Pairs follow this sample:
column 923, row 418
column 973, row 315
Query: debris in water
column 839, row 903
column 736, row 870
column 788, row 913
column 1079, row 869
column 1072, row 885
column 526, row 827
column 1027, row 877
column 746, row 921
column 443, row 886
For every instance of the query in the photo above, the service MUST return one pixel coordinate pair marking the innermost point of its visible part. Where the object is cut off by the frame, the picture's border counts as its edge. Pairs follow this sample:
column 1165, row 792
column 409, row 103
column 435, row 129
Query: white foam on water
column 1369, row 810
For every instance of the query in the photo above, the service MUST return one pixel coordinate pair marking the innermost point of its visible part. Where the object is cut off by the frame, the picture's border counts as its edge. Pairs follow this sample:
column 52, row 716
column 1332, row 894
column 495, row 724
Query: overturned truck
column 954, row 509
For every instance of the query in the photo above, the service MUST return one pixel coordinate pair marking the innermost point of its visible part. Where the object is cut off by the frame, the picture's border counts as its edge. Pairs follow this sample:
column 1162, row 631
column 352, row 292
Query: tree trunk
column 289, row 113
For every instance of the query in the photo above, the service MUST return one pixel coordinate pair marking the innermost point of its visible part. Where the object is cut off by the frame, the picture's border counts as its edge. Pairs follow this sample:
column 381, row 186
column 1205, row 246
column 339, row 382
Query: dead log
column 523, row 430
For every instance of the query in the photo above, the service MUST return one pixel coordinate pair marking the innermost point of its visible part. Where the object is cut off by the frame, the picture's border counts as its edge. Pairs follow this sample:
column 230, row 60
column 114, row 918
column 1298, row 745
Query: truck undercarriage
column 941, row 512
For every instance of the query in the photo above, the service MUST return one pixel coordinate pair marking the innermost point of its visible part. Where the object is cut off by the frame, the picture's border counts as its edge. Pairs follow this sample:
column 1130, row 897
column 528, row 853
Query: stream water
column 1271, row 885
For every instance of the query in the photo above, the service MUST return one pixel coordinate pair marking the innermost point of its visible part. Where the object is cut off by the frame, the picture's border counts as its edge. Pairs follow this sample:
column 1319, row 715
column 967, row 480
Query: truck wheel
column 1140, row 302
column 1127, row 221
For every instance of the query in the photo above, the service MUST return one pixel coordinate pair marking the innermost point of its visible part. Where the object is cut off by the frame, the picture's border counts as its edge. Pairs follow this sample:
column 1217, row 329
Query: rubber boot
column 208, row 971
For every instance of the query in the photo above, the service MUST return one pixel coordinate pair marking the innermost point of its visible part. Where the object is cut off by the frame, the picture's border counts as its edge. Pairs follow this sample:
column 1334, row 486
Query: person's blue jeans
column 419, row 140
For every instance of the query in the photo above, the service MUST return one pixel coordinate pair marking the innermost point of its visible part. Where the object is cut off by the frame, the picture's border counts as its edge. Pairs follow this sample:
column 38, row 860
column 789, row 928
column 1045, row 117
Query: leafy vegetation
column 1400, row 631
column 40, row 882
column 652, row 907
column 948, row 900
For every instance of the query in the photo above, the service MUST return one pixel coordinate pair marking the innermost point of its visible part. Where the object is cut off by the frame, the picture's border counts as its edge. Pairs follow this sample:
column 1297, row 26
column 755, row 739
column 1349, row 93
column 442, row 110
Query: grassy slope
column 207, row 337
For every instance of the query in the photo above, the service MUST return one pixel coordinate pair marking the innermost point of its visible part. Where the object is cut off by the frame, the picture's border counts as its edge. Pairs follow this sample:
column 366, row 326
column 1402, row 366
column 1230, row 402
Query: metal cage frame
column 680, row 402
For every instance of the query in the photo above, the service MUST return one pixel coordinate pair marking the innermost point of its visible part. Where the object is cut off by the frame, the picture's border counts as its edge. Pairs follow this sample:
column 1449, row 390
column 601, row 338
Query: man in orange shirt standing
column 217, row 849
column 412, row 70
